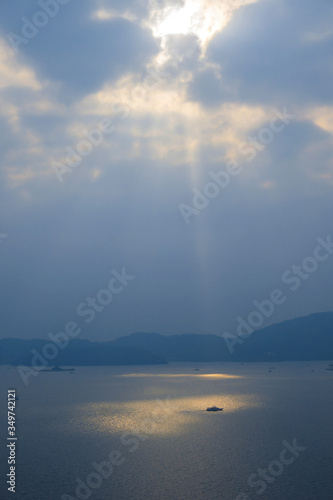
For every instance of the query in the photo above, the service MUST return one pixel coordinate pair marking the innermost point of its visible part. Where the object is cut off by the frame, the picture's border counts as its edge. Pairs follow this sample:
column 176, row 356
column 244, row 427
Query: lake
column 142, row 433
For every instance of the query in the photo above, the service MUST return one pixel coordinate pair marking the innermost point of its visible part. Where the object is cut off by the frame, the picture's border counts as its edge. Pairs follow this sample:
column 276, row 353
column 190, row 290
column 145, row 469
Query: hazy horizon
column 94, row 338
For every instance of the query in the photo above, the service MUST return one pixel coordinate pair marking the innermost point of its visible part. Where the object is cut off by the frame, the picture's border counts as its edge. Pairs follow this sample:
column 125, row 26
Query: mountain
column 306, row 338
column 76, row 353
column 187, row 347
column 301, row 339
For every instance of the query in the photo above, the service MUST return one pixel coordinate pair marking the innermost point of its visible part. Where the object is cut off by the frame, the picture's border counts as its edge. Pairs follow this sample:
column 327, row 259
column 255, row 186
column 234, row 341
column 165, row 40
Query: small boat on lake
column 214, row 408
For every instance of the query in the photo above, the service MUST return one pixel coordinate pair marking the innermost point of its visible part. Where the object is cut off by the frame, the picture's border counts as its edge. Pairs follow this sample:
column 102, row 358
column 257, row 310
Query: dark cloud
column 207, row 88
column 271, row 52
column 78, row 52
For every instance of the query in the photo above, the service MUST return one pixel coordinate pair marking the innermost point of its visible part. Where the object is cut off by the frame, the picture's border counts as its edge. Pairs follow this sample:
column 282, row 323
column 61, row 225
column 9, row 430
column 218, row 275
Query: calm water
column 171, row 449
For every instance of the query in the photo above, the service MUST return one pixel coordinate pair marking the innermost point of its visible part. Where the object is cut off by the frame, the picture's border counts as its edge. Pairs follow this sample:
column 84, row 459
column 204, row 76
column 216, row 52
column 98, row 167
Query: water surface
column 170, row 447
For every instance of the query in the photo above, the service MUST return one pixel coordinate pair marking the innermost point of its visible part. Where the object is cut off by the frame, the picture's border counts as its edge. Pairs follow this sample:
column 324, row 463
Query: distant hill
column 301, row 339
column 306, row 338
column 77, row 353
column 187, row 347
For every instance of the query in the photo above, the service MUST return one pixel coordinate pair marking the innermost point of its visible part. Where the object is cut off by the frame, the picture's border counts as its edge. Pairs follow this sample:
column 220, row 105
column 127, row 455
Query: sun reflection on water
column 157, row 417
column 176, row 375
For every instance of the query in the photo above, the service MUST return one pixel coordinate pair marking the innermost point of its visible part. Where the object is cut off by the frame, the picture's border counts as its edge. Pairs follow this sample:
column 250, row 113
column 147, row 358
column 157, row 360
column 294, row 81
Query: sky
column 164, row 164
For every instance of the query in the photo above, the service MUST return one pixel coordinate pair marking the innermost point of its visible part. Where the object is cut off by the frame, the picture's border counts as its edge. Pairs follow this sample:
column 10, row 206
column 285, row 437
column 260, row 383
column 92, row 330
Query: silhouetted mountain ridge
column 305, row 338
column 77, row 353
column 301, row 339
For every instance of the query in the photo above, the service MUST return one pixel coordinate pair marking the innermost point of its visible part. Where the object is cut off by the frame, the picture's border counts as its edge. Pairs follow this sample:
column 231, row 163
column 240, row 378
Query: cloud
column 79, row 52
column 120, row 205
column 272, row 51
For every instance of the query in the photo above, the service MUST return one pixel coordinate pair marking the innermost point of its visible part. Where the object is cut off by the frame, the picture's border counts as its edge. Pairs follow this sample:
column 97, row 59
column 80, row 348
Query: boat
column 214, row 408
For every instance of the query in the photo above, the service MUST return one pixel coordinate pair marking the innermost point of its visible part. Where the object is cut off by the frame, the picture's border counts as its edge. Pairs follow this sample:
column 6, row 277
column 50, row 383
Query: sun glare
column 195, row 16
column 177, row 21
column 199, row 17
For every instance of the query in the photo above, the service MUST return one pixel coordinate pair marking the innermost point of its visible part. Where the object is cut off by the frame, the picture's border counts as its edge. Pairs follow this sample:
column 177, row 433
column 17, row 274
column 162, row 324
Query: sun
column 178, row 21
column 202, row 18
column 199, row 17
